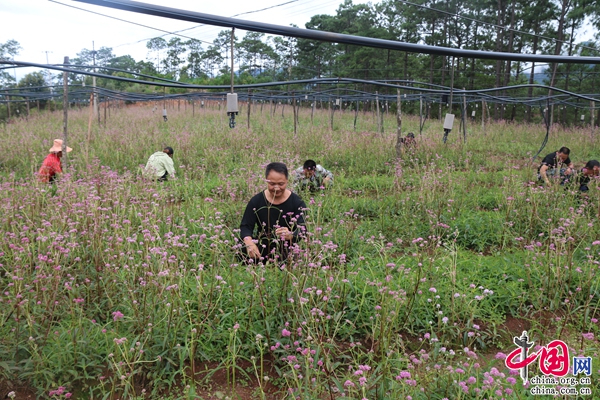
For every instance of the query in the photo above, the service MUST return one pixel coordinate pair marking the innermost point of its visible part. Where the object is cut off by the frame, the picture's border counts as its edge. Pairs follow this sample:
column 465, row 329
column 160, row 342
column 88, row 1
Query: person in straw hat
column 51, row 166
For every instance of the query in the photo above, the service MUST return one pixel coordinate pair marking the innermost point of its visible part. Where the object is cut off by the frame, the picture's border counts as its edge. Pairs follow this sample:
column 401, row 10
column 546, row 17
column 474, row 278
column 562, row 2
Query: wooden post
column 92, row 107
column 464, row 116
column 193, row 108
column 483, row 116
column 593, row 114
column 8, row 107
column 295, row 114
column 249, row 102
column 420, row 114
column 27, row 118
column 312, row 111
column 377, row 106
column 355, row 115
column 105, row 111
column 65, row 115
column 399, row 129
column 332, row 105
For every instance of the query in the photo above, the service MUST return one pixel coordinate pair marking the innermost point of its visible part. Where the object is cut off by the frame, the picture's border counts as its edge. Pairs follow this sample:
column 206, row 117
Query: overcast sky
column 48, row 30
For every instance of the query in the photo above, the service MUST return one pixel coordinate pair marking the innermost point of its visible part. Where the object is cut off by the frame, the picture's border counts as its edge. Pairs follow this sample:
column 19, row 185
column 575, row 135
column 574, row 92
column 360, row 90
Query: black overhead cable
column 129, row 22
column 190, row 16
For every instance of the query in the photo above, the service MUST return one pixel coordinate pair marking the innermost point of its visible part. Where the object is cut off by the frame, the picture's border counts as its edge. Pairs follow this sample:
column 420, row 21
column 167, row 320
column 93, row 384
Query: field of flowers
column 413, row 278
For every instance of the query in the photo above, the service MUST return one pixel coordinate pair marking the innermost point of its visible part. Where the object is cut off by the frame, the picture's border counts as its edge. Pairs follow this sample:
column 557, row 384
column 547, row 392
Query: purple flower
column 588, row 336
column 117, row 315
column 285, row 333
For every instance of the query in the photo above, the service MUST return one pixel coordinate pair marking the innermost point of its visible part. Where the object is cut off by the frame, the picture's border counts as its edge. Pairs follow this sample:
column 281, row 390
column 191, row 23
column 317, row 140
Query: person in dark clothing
column 553, row 165
column 587, row 173
column 273, row 219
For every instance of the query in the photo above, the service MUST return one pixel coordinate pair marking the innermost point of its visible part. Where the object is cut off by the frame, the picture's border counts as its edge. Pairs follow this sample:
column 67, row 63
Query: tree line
column 513, row 26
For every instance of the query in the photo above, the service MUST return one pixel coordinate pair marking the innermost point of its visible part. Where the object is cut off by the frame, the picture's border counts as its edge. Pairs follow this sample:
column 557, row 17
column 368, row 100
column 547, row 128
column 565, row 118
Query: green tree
column 157, row 45
column 8, row 50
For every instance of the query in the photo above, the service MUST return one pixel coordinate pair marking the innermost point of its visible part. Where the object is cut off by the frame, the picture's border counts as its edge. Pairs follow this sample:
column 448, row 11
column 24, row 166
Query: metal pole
column 249, row 102
column 94, row 83
column 65, row 114
column 377, row 106
column 399, row 129
column 232, row 40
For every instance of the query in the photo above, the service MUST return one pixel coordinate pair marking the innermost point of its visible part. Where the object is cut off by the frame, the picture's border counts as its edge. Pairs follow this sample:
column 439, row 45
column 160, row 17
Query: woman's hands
column 285, row 233
column 251, row 247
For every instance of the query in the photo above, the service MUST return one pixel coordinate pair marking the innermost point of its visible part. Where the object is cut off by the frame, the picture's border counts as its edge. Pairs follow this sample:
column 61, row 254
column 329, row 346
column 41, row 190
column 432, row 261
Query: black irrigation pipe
column 338, row 81
column 201, row 18
column 325, row 95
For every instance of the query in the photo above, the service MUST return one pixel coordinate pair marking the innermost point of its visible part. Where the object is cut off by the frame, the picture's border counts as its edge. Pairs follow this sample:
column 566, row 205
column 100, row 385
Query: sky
column 50, row 30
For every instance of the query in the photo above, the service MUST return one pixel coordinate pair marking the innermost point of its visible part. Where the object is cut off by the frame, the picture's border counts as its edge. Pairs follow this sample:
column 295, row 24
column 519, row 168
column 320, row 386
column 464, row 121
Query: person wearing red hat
column 51, row 166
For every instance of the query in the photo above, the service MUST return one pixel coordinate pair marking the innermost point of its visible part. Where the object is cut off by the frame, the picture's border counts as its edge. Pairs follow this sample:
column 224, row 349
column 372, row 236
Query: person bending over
column 52, row 166
column 160, row 165
column 312, row 176
column 273, row 219
column 556, row 165
column 587, row 173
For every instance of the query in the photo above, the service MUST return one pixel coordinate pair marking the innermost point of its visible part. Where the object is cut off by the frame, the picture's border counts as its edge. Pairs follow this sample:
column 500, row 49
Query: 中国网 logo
column 555, row 364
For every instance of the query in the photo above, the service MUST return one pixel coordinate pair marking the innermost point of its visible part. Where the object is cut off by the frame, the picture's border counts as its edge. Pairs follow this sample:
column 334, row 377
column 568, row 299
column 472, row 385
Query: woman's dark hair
column 591, row 164
column 564, row 150
column 277, row 167
column 310, row 165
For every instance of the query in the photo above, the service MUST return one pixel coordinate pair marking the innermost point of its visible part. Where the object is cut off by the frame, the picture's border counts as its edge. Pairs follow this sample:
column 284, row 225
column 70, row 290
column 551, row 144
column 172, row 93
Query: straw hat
column 58, row 146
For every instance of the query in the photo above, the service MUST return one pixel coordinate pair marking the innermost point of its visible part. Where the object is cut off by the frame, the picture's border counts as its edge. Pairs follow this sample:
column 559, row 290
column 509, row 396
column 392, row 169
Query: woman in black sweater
column 274, row 218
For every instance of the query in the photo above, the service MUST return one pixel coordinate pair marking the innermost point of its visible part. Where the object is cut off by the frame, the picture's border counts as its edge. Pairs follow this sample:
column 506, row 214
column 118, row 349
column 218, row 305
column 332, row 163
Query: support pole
column 332, row 105
column 249, row 102
column 399, row 128
column 65, row 115
column 464, row 116
column 593, row 115
column 92, row 107
column 377, row 113
column 483, row 116
column 295, row 114
column 355, row 115
column 420, row 114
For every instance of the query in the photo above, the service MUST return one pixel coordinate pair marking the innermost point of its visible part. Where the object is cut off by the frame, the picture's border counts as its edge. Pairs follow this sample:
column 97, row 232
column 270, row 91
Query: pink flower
column 117, row 315
column 285, row 333
column 588, row 336
column 349, row 383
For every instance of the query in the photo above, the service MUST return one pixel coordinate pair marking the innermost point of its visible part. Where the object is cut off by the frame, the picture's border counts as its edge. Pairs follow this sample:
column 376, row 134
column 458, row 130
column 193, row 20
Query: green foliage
column 111, row 283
